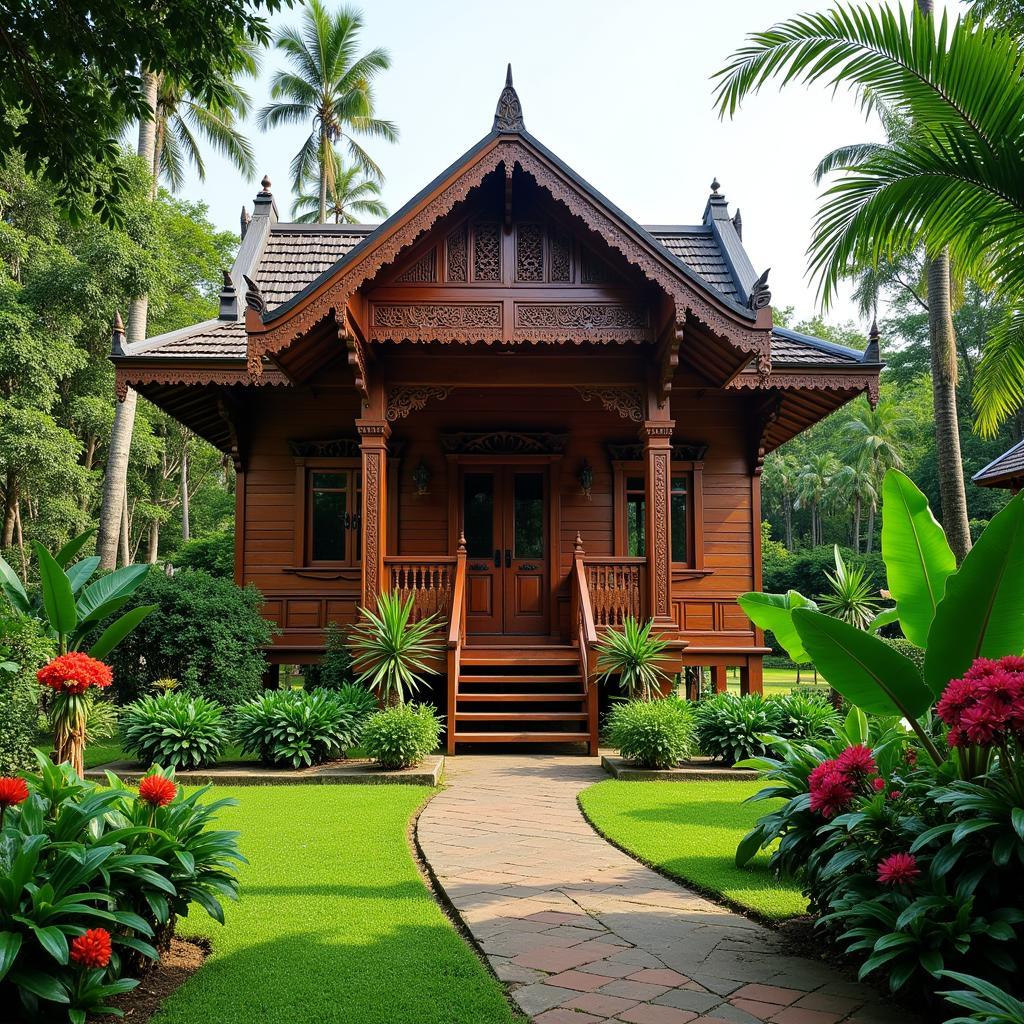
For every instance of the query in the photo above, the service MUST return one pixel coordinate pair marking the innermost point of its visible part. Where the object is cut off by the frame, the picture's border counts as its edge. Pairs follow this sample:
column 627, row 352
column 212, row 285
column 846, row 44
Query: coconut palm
column 814, row 487
column 855, row 484
column 952, row 183
column 350, row 199
column 327, row 85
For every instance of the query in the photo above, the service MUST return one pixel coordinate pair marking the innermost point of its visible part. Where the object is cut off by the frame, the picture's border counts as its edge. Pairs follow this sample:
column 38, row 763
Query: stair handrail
column 582, row 617
column 456, row 636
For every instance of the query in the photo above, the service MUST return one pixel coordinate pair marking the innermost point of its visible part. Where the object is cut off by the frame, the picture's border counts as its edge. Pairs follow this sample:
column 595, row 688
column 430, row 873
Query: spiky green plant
column 392, row 653
column 636, row 657
column 852, row 597
column 174, row 729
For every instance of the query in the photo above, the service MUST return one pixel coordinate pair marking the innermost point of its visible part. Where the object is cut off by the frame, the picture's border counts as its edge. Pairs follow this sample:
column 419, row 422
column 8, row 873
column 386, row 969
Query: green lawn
column 334, row 924
column 690, row 830
column 780, row 680
column 103, row 751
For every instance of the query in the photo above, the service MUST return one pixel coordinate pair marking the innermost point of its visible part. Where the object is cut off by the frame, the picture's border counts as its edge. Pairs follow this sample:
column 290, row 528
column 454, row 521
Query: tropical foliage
column 652, row 733
column 174, row 729
column 352, row 197
column 401, row 736
column 634, row 656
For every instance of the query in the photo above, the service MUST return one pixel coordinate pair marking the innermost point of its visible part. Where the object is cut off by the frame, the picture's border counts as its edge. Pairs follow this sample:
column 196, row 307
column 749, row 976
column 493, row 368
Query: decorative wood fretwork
column 760, row 294
column 867, row 382
column 561, row 256
column 593, row 270
column 616, row 590
column 373, row 435
column 682, row 451
column 231, row 413
column 136, row 376
column 508, row 114
column 668, row 359
column 329, row 448
column 486, row 251
column 357, row 360
column 407, row 398
column 580, row 321
column 656, row 436
column 437, row 321
column 503, row 442
column 626, row 401
column 764, row 419
column 529, row 251
column 743, row 335
column 427, row 581
column 422, row 271
column 456, row 248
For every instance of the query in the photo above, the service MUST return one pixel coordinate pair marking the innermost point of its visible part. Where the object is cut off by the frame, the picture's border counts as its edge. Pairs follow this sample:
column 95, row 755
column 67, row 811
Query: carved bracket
column 810, row 382
column 668, row 360
column 626, row 401
column 765, row 417
column 230, row 412
column 407, row 398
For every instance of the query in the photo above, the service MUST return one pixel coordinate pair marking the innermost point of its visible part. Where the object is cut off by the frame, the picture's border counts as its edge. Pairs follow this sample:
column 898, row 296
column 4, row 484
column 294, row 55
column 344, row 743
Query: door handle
column 497, row 558
column 508, row 558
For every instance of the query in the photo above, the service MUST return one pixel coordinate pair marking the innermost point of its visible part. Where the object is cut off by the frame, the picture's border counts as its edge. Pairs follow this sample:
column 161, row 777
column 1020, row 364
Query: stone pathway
column 582, row 933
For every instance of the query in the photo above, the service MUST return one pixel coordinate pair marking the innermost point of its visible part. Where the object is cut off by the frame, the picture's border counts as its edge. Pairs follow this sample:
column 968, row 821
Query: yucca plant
column 636, row 657
column 851, row 597
column 174, row 729
column 390, row 653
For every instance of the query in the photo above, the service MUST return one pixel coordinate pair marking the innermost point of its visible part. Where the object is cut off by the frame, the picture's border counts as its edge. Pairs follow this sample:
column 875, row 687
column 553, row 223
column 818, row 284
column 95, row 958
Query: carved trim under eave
column 668, row 360
column 357, row 360
column 407, row 398
column 753, row 339
column 329, row 448
column 503, row 442
column 126, row 377
column 626, row 401
column 810, row 382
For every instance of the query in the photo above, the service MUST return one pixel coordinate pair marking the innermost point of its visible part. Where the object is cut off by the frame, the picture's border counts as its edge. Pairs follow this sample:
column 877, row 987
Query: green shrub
column 654, row 734
column 907, row 649
column 206, row 633
column 299, row 727
column 22, row 643
column 335, row 669
column 214, row 554
column 806, row 716
column 728, row 726
column 174, row 729
column 401, row 736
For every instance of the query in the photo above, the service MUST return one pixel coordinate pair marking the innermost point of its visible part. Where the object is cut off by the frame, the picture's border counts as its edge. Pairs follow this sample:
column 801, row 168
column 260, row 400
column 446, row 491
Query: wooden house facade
column 514, row 403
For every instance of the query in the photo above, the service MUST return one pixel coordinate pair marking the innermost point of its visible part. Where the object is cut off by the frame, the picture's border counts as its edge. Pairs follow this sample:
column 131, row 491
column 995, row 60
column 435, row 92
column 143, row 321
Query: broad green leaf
column 868, row 672
column 80, row 572
column 883, row 618
column 918, row 559
column 10, row 943
column 58, row 600
column 855, row 726
column 774, row 612
column 54, row 941
column 119, row 583
column 981, row 615
column 119, row 629
column 749, row 846
column 73, row 546
column 13, row 589
column 40, row 984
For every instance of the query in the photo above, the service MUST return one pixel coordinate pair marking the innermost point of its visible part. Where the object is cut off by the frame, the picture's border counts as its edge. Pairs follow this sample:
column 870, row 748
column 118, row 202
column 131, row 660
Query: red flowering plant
column 71, row 676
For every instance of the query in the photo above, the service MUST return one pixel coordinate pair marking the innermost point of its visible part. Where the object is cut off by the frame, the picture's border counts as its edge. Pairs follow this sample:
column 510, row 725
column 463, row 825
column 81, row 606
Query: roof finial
column 760, row 294
column 715, row 185
column 508, row 115
column 873, row 352
column 117, row 335
column 244, row 220
column 266, row 186
column 737, row 223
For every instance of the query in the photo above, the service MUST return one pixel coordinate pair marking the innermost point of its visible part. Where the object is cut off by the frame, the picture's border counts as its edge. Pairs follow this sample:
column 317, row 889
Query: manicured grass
column 334, row 924
column 779, row 680
column 104, row 751
column 690, row 830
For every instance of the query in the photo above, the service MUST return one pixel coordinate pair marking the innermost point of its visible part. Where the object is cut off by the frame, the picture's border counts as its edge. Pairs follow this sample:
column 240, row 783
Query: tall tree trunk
column 153, row 547
column 787, row 515
column 186, row 531
column 115, row 482
column 323, row 177
column 947, row 426
column 871, row 528
column 10, row 509
column 856, row 525
column 125, row 535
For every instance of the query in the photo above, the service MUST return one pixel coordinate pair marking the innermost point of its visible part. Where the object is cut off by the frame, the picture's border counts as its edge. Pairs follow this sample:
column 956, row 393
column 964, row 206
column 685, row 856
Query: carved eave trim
column 406, row 398
column 627, row 402
column 169, row 374
column 268, row 340
column 811, row 381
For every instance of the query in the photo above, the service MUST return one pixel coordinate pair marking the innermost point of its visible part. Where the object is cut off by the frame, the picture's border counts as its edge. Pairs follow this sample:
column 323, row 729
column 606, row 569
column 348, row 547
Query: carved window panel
column 529, row 252
column 486, row 251
column 561, row 260
column 422, row 271
column 593, row 270
column 457, row 249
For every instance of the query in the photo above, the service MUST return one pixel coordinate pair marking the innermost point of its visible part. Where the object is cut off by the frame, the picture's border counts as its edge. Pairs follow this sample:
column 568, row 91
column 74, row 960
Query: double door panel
column 505, row 520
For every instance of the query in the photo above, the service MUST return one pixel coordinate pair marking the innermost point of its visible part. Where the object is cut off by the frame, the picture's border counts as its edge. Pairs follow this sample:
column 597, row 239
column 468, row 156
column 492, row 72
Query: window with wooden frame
column 329, row 500
column 685, row 508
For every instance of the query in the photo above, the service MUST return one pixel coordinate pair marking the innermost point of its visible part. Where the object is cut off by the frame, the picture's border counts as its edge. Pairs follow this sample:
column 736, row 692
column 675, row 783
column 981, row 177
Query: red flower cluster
column 12, row 791
column 74, row 672
column 157, row 790
column 986, row 704
column 833, row 784
column 898, row 869
column 92, row 949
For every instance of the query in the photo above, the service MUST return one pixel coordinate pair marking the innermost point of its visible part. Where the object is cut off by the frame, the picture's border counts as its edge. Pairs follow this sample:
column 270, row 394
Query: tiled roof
column 791, row 347
column 1003, row 468
column 698, row 249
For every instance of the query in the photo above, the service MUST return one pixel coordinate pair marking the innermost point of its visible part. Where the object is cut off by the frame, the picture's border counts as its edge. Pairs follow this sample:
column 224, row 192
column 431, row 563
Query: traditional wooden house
column 513, row 402
column 1006, row 470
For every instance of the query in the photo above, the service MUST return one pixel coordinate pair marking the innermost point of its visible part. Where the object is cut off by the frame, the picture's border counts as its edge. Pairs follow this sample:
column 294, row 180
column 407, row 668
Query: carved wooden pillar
column 373, row 443
column 657, row 439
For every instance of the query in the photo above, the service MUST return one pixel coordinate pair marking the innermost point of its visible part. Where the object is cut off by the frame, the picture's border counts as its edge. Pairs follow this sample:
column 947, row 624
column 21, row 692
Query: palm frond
column 999, row 380
column 219, row 128
column 843, row 158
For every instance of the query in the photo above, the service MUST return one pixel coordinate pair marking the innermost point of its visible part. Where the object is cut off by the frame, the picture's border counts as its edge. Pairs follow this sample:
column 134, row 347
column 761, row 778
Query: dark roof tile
column 1004, row 468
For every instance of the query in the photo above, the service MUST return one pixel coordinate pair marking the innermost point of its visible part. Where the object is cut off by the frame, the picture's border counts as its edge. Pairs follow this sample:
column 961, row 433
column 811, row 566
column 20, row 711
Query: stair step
column 520, row 716
column 502, row 679
column 523, row 697
column 520, row 656
column 521, row 737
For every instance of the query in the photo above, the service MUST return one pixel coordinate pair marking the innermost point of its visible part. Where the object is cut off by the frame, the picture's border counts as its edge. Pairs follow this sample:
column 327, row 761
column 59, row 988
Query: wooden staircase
column 520, row 694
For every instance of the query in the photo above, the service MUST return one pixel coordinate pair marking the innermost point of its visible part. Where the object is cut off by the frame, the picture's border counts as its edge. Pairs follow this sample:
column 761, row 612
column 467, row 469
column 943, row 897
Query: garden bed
column 176, row 966
column 698, row 769
column 248, row 773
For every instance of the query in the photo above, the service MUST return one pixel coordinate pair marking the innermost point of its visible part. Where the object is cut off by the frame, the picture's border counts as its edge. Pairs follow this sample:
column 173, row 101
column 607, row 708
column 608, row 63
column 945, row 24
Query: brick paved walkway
column 583, row 933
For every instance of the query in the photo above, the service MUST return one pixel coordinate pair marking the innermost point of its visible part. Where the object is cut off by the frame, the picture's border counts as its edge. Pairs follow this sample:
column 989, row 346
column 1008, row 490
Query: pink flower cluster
column 986, row 705
column 834, row 783
column 898, row 869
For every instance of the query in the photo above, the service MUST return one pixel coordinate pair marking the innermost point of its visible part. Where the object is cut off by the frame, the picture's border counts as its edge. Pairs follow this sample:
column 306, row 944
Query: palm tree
column 952, row 183
column 328, row 85
column 814, row 487
column 855, row 483
column 871, row 440
column 350, row 194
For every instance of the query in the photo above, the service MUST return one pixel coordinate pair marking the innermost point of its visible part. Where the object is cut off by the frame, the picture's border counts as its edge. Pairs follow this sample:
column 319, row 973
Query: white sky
column 621, row 92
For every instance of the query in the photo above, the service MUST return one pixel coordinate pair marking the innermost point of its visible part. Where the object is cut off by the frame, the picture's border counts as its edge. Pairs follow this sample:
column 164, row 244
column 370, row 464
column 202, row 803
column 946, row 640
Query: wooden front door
column 505, row 519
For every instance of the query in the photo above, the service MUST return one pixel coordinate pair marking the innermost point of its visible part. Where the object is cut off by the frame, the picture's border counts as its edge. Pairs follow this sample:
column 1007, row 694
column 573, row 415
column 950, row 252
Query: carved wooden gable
column 516, row 275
